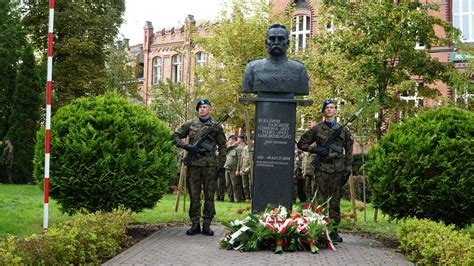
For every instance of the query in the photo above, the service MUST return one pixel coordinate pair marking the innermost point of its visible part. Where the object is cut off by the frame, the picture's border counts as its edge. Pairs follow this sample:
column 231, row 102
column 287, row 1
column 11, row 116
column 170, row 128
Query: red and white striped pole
column 48, row 114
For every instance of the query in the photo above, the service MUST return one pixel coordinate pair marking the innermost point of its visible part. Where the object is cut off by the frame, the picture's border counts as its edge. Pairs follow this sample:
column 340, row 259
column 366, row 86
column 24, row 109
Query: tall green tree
column 122, row 70
column 237, row 38
column 25, row 116
column 12, row 39
column 83, row 30
column 172, row 102
column 377, row 42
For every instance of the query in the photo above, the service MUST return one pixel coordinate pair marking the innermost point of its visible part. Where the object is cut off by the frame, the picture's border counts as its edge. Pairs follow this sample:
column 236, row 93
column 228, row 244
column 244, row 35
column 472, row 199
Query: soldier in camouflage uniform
column 308, row 173
column 203, row 166
column 298, row 178
column 233, row 180
column 221, row 186
column 243, row 168
column 334, row 166
column 7, row 159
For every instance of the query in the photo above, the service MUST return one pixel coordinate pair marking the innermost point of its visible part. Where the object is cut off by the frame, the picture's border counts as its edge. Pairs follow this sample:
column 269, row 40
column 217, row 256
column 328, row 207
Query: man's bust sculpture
column 276, row 73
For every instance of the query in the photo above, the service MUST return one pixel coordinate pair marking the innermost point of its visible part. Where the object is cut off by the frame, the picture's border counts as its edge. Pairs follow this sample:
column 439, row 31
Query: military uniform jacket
column 193, row 129
column 334, row 162
column 244, row 161
column 233, row 156
column 308, row 167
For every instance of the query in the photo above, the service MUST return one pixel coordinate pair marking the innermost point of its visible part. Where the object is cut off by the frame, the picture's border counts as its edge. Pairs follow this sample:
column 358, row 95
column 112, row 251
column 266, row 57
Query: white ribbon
column 237, row 234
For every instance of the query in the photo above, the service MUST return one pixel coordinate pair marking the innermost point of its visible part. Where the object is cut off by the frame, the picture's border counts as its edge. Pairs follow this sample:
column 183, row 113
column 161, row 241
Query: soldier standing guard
column 243, row 168
column 309, row 175
column 203, row 166
column 7, row 159
column 334, row 165
column 233, row 181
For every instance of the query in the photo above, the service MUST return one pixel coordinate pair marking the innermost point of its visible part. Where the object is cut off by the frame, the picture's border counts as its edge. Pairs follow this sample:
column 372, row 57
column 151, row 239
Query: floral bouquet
column 278, row 230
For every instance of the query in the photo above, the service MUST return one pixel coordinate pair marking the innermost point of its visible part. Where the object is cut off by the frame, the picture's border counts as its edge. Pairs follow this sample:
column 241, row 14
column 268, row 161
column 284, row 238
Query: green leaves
column 25, row 116
column 82, row 33
column 423, row 168
column 430, row 243
column 370, row 55
column 106, row 152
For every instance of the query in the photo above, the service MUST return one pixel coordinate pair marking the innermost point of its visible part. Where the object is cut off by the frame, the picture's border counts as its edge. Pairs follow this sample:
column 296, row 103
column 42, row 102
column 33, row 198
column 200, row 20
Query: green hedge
column 432, row 243
column 424, row 168
column 107, row 152
column 89, row 238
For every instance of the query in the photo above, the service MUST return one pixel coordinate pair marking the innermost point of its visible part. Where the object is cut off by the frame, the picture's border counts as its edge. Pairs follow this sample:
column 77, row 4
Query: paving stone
column 171, row 246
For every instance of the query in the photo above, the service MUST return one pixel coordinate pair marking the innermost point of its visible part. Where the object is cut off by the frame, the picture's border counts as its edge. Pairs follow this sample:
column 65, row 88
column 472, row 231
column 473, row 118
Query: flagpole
column 48, row 115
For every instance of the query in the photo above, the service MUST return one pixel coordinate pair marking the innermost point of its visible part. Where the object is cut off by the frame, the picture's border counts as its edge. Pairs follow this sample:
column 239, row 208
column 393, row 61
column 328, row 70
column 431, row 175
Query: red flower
column 306, row 206
column 318, row 209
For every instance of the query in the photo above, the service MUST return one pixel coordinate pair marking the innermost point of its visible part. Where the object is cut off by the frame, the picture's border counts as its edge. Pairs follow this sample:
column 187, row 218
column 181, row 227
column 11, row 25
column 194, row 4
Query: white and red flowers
column 277, row 230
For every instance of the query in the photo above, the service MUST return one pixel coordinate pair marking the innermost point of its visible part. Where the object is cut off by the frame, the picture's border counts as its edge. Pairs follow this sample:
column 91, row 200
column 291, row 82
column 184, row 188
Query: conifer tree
column 24, row 119
column 12, row 38
column 83, row 31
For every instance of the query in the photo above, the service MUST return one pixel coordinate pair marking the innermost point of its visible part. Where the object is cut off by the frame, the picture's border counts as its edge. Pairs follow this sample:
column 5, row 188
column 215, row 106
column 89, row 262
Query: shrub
column 107, row 152
column 25, row 116
column 89, row 238
column 430, row 243
column 423, row 168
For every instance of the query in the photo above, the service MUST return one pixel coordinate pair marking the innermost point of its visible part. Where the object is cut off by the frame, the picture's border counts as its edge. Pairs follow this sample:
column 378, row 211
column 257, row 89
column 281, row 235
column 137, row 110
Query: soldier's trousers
column 329, row 185
column 298, row 190
column 247, row 185
column 234, row 185
column 221, row 186
column 8, row 174
column 309, row 186
column 197, row 176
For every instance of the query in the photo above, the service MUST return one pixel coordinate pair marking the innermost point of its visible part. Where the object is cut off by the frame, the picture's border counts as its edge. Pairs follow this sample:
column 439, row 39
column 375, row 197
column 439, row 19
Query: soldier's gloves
column 191, row 148
column 321, row 151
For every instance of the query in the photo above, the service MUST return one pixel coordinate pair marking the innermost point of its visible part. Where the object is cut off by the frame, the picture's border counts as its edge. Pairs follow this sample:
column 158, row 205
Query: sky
column 164, row 14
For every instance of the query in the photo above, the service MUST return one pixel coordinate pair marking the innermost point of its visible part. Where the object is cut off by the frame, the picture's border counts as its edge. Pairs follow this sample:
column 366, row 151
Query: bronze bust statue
column 276, row 73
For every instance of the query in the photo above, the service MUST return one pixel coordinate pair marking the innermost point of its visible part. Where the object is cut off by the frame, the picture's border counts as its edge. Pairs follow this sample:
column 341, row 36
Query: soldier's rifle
column 330, row 145
column 200, row 142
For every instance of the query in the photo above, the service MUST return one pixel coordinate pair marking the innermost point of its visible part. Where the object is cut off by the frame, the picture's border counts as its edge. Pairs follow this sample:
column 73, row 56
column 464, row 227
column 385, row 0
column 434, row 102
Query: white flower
column 237, row 223
column 283, row 212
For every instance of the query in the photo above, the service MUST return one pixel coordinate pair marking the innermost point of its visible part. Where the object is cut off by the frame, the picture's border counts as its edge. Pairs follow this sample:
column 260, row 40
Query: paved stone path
column 171, row 246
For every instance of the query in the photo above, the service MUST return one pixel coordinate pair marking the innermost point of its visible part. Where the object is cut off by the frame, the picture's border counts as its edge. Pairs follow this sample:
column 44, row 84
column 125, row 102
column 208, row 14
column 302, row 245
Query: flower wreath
column 277, row 230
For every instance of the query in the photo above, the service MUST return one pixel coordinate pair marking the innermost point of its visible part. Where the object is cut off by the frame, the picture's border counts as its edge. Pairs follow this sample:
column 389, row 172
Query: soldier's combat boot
column 206, row 229
column 335, row 236
column 194, row 230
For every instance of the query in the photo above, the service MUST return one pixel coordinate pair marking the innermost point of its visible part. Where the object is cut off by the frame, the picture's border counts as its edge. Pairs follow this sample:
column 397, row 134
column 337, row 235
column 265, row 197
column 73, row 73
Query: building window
column 300, row 31
column 176, row 68
column 201, row 59
column 156, row 74
column 463, row 18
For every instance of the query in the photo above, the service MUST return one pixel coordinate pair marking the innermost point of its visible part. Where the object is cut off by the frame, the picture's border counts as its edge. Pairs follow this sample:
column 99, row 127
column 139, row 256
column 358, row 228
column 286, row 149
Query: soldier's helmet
column 202, row 102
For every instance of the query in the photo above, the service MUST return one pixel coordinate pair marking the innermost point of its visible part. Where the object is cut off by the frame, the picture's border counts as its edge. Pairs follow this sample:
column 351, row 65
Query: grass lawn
column 21, row 213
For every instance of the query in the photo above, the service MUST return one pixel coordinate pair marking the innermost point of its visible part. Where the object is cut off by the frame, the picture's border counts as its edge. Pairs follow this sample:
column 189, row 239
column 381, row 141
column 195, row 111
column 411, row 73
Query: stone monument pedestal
column 274, row 149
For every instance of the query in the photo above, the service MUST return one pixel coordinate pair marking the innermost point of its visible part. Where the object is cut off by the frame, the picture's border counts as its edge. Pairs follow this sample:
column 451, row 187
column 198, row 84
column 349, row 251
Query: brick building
column 169, row 54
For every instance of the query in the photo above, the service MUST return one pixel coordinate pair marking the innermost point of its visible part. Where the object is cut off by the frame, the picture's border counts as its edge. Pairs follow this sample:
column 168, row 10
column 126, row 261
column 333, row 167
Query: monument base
column 274, row 149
